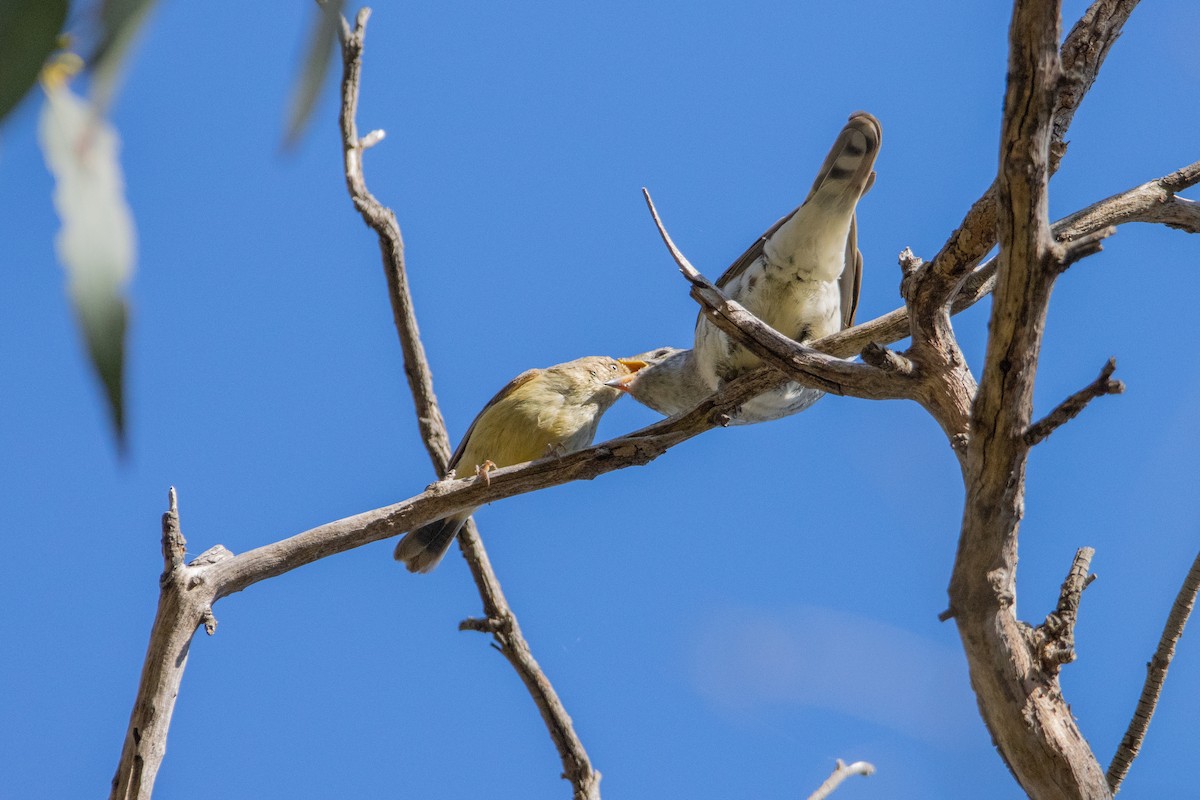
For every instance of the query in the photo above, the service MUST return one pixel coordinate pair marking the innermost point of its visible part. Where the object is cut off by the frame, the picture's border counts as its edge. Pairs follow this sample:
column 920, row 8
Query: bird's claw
column 484, row 471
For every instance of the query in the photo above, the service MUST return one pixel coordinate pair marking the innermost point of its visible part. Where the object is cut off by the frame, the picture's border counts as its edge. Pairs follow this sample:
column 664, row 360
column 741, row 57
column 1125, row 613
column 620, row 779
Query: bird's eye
column 613, row 367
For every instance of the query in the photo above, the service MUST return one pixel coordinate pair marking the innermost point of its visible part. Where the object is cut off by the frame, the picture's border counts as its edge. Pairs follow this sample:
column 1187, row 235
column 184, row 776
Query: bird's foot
column 484, row 471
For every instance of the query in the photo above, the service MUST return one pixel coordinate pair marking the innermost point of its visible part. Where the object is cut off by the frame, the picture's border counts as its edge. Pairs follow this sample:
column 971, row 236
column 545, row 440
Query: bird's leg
column 555, row 449
column 484, row 471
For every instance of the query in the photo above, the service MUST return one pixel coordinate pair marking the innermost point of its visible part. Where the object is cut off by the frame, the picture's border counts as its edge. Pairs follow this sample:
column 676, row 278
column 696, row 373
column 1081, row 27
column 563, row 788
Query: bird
column 803, row 276
column 671, row 385
column 540, row 412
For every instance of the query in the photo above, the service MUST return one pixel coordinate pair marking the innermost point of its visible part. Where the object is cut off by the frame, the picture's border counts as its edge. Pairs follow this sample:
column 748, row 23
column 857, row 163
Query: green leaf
column 28, row 35
column 120, row 21
column 316, row 66
column 96, row 244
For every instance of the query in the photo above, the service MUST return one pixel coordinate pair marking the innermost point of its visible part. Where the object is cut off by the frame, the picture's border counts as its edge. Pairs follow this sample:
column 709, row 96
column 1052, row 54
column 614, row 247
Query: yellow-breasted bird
column 539, row 412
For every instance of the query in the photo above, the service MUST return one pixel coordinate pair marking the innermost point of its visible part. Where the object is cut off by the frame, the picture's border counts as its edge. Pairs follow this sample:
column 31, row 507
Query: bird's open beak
column 623, row 382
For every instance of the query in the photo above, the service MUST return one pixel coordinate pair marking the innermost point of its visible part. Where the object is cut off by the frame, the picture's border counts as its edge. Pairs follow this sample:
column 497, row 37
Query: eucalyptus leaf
column 120, row 21
column 96, row 243
column 314, row 69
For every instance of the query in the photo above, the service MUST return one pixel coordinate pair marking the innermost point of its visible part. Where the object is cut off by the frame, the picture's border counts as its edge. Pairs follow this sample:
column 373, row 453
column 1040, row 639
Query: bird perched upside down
column 540, row 412
column 802, row 277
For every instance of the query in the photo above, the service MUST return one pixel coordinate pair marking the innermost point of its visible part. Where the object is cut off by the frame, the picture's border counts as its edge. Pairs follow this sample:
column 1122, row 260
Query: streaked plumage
column 803, row 275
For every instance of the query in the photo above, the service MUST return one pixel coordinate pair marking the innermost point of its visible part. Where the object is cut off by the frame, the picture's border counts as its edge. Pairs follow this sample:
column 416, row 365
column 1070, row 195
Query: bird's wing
column 753, row 252
column 522, row 379
column 850, row 283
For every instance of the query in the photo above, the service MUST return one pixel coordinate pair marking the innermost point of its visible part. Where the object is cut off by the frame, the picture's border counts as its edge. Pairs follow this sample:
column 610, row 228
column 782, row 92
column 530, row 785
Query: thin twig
column 391, row 244
column 577, row 767
column 1068, row 409
column 1082, row 54
column 1156, row 675
column 840, row 773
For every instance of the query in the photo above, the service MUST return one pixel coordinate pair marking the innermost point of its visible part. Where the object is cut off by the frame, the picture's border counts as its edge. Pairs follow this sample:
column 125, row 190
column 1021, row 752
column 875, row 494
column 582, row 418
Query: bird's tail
column 422, row 549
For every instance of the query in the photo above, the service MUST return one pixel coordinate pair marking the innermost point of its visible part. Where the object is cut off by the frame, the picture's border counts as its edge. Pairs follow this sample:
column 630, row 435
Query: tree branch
column 1156, row 675
column 1152, row 202
column 840, row 773
column 188, row 592
column 577, row 767
column 1068, row 409
column 1082, row 54
column 1054, row 639
column 180, row 611
column 391, row 246
column 1019, row 698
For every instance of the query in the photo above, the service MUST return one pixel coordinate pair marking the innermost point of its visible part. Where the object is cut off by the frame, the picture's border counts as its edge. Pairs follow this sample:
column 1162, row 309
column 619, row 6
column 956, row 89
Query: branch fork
column 989, row 428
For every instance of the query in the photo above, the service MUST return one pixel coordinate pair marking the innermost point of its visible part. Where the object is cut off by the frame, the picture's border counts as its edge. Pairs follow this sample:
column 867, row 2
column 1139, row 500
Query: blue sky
column 724, row 622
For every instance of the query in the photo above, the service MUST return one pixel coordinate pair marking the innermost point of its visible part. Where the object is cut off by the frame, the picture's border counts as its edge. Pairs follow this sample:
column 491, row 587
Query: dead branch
column 1054, row 639
column 1081, row 56
column 180, row 611
column 840, row 772
column 1156, row 675
column 1033, row 728
column 506, row 631
column 1021, row 702
column 1152, row 202
column 1068, row 409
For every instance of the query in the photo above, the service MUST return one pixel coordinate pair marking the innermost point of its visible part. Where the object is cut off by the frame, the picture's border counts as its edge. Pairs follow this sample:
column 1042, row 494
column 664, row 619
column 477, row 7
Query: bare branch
column 1083, row 51
column 180, row 610
column 391, row 245
column 887, row 360
column 1082, row 54
column 1020, row 698
column 840, row 773
column 189, row 591
column 685, row 266
column 1068, row 409
column 1055, row 638
column 1156, row 675
column 1152, row 202
column 577, row 767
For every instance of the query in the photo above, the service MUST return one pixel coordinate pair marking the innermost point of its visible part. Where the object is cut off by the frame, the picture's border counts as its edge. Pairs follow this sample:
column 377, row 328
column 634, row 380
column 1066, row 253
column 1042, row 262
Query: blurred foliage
column 96, row 243
column 29, row 31
column 315, row 67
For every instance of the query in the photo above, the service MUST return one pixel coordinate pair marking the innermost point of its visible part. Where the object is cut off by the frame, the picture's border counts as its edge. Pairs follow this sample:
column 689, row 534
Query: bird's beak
column 623, row 382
